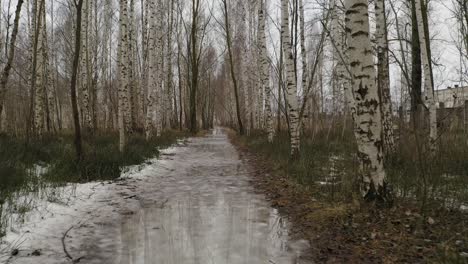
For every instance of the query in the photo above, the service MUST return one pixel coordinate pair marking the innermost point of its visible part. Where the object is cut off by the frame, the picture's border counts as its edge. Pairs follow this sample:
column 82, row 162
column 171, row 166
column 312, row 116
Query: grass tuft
column 102, row 161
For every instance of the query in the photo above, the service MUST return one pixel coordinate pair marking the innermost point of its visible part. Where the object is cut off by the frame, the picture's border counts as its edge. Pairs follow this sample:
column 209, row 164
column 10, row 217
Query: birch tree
column 39, row 64
column 169, row 74
column 106, row 66
column 152, row 71
column 123, row 70
column 48, row 81
column 264, row 69
column 132, row 70
column 368, row 125
column 383, row 76
column 159, row 70
column 95, row 66
column 292, row 100
column 84, row 67
column 142, row 101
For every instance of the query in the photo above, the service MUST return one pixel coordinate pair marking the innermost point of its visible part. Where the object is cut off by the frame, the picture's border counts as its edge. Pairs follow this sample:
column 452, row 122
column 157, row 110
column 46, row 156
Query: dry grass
column 339, row 227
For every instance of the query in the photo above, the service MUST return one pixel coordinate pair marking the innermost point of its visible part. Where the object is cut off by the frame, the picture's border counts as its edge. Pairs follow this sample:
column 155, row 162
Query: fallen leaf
column 430, row 221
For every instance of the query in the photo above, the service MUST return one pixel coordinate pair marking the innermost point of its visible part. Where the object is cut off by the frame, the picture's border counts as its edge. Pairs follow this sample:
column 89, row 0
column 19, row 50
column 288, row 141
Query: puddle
column 192, row 206
column 204, row 211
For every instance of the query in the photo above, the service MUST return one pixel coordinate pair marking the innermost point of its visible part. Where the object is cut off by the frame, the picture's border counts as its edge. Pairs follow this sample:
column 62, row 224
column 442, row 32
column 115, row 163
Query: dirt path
column 193, row 205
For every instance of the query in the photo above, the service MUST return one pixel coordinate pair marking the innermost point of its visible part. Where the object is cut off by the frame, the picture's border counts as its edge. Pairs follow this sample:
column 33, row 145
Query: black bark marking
column 355, row 63
column 351, row 12
column 357, row 5
column 360, row 33
column 363, row 90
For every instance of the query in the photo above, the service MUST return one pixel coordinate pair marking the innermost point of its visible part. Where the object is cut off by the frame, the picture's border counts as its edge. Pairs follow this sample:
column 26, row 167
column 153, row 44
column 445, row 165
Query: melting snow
column 194, row 205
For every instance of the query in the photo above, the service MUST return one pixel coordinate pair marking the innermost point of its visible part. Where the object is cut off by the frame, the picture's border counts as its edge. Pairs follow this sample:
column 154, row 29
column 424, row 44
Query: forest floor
column 194, row 204
column 348, row 231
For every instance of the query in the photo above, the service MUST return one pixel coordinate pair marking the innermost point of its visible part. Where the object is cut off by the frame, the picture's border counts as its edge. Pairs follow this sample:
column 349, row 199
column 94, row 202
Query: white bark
column 123, row 70
column 106, row 68
column 368, row 126
column 292, row 100
column 159, row 70
column 142, row 101
column 169, row 64
column 150, row 109
column 48, row 81
column 132, row 57
column 39, row 98
column 383, row 77
column 84, row 62
column 264, row 70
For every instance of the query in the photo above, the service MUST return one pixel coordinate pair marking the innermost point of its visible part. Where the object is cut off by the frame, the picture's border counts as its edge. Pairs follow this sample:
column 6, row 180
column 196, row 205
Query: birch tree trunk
column 159, row 70
column 169, row 60
column 179, row 68
column 132, row 71
column 150, row 109
column 243, row 69
column 95, row 51
column 48, row 81
column 123, row 69
column 31, row 10
column 40, row 100
column 292, row 101
column 368, row 125
column 106, row 75
column 428, row 85
column 145, row 11
column 383, row 76
column 86, row 112
column 264, row 70
column 76, row 61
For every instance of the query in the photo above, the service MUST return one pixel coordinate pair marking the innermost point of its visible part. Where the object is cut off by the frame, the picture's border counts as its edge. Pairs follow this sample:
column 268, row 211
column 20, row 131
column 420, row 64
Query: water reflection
column 203, row 210
column 197, row 229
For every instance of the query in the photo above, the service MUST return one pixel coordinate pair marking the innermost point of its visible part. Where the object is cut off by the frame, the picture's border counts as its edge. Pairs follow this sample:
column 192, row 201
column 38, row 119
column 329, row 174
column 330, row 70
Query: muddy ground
column 356, row 232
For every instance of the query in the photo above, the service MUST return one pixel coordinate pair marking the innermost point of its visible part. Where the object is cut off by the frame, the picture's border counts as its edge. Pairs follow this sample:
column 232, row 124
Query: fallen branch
column 65, row 247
